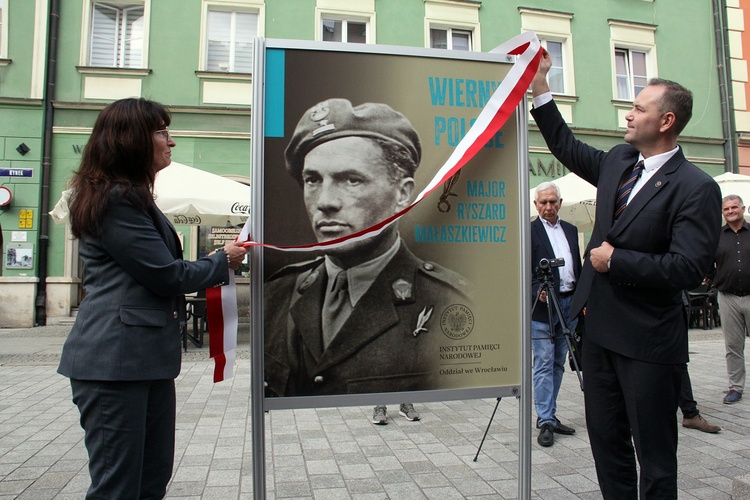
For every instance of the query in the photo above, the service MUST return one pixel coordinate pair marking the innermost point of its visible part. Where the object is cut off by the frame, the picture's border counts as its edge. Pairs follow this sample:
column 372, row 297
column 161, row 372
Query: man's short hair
column 337, row 118
column 731, row 197
column 676, row 99
column 545, row 186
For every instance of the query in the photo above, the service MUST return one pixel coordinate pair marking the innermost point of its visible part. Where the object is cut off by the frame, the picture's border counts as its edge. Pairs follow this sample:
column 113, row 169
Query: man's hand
column 539, row 84
column 600, row 256
column 235, row 254
column 542, row 296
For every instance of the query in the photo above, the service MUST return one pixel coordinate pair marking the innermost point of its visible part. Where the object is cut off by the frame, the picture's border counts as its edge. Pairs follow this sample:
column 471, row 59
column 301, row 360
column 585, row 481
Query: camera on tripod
column 550, row 263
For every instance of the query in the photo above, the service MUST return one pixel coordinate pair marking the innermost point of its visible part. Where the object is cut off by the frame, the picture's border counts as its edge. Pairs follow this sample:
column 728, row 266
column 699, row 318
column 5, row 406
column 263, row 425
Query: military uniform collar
column 360, row 277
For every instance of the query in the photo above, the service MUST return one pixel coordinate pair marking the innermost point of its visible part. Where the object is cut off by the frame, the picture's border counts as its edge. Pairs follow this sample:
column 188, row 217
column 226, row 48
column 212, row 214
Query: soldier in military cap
column 365, row 317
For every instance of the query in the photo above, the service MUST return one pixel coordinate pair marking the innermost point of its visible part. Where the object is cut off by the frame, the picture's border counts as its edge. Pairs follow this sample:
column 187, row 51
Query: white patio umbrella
column 190, row 196
column 738, row 184
column 579, row 201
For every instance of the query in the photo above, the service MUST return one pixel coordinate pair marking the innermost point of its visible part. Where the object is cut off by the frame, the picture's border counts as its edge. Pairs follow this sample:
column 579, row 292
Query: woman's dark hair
column 120, row 152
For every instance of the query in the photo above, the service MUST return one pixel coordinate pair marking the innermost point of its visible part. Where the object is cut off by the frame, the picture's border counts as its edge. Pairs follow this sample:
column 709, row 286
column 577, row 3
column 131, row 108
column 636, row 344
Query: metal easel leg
column 487, row 430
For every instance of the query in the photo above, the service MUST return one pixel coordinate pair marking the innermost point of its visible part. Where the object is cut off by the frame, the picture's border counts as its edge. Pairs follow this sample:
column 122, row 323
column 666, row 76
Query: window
column 631, row 74
column 347, row 21
column 229, row 41
column 117, row 35
column 450, row 38
column 452, row 25
column 555, row 35
column 556, row 75
column 343, row 30
column 634, row 61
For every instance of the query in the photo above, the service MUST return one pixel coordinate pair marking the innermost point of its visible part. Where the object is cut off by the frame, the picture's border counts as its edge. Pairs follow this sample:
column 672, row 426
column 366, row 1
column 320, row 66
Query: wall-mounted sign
column 16, row 172
column 19, row 236
column 19, row 256
column 26, row 219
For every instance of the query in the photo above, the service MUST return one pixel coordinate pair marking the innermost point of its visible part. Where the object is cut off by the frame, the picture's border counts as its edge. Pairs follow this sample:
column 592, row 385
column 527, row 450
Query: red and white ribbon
column 221, row 310
column 223, row 321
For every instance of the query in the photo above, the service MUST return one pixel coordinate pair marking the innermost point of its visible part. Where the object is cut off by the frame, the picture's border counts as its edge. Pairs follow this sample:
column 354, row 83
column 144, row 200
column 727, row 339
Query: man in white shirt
column 551, row 239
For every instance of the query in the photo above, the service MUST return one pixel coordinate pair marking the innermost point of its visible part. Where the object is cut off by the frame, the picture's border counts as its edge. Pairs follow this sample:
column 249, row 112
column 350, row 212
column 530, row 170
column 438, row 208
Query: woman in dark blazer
column 123, row 352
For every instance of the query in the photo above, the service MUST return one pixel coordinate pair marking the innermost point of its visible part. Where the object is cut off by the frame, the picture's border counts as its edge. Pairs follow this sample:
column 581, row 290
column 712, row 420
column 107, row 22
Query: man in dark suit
column 551, row 238
column 365, row 317
column 635, row 267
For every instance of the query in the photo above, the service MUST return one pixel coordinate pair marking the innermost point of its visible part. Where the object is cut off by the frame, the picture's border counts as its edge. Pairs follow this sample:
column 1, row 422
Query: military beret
column 336, row 118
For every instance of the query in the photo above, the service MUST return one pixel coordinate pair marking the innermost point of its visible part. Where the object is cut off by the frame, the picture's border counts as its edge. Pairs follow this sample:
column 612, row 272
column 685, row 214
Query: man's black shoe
column 559, row 427
column 546, row 437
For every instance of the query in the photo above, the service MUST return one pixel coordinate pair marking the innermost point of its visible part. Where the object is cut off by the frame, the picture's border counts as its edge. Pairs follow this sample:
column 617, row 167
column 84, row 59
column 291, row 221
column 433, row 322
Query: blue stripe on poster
column 275, row 92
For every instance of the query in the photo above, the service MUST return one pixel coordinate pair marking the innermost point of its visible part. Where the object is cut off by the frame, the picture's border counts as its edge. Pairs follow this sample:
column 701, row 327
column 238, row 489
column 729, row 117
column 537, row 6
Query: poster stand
column 277, row 104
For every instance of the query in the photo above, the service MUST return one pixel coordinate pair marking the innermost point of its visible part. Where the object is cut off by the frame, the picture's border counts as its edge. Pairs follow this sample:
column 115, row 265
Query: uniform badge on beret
column 318, row 113
column 402, row 289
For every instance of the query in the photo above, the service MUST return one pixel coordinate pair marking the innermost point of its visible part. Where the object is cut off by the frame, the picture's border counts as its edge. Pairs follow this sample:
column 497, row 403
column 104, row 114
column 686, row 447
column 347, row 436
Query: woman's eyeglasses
column 164, row 133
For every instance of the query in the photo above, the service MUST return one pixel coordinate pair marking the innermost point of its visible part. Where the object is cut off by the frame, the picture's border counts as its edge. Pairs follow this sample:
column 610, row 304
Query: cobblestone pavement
column 336, row 453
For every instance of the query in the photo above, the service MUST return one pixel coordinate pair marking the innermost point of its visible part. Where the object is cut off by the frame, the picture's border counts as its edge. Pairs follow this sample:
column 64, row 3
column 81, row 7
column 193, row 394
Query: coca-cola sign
column 238, row 208
column 186, row 219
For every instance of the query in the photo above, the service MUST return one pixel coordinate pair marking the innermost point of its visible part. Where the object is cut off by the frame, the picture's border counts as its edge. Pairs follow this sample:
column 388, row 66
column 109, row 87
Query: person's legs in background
column 691, row 417
column 406, row 410
column 380, row 415
column 543, row 379
column 550, row 355
column 733, row 324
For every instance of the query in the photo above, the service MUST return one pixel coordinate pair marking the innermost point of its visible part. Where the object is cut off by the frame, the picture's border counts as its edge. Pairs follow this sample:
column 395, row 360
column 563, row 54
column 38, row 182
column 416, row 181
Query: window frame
column 87, row 28
column 631, row 37
column 251, row 6
column 551, row 26
column 459, row 16
column 344, row 18
column 630, row 72
column 563, row 68
column 346, row 10
column 233, row 33
column 449, row 35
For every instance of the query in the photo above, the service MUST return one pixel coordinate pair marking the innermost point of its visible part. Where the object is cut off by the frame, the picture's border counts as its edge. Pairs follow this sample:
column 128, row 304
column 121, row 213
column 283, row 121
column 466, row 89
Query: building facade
column 737, row 51
column 62, row 62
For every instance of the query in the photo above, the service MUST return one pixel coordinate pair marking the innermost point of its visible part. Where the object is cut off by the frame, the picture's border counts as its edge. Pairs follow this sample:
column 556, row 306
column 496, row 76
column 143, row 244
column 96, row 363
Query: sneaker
column 380, row 416
column 732, row 397
column 701, row 424
column 546, row 436
column 407, row 411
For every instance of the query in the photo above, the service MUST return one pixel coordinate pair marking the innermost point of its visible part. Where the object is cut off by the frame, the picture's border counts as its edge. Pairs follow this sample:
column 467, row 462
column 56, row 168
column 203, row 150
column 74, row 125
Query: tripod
column 544, row 274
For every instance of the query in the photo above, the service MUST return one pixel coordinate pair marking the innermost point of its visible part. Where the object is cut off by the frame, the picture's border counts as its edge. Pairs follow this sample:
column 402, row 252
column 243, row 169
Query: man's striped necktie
column 624, row 192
